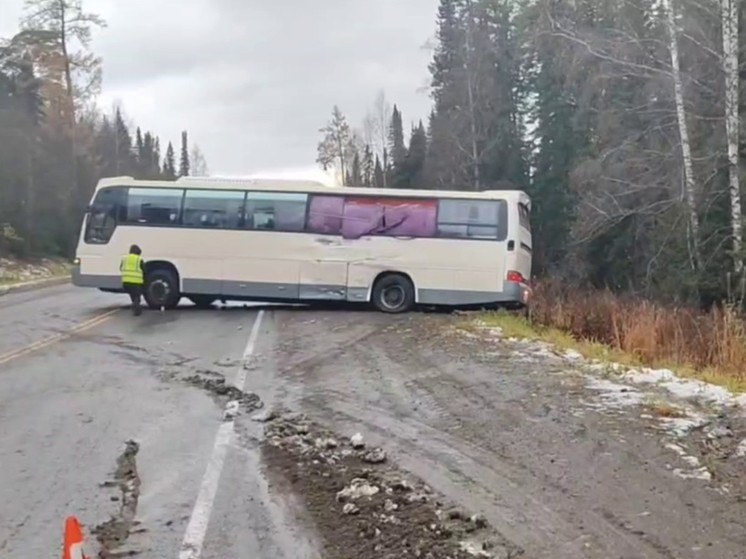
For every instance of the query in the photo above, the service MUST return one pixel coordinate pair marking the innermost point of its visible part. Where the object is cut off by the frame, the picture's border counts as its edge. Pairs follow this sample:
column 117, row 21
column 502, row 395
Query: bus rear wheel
column 162, row 289
column 393, row 293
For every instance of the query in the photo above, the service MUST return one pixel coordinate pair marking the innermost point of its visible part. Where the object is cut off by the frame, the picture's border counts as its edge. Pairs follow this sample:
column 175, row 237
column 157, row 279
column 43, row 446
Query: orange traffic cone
column 73, row 540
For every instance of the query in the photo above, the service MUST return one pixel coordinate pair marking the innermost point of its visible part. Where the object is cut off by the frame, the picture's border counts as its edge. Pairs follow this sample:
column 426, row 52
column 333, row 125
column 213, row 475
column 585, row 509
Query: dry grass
column 660, row 408
column 706, row 345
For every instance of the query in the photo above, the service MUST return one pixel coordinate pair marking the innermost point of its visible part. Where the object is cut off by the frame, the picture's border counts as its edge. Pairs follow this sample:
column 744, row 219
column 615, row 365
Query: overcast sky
column 253, row 80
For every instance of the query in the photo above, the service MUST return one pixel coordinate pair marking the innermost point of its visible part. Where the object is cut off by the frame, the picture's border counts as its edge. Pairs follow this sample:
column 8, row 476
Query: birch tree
column 382, row 114
column 199, row 163
column 337, row 146
column 729, row 17
column 686, row 148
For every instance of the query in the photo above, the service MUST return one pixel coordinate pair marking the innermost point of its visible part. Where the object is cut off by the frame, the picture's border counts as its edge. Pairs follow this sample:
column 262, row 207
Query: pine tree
column 139, row 146
column 124, row 163
column 356, row 172
column 169, row 163
column 106, row 148
column 398, row 174
column 559, row 147
column 149, row 161
column 397, row 147
column 476, row 129
column 378, row 174
column 157, row 157
column 416, row 157
column 184, row 159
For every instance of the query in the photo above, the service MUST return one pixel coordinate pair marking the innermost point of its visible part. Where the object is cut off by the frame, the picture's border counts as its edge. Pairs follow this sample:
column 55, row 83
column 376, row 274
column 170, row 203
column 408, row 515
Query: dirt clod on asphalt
column 216, row 384
column 363, row 507
column 113, row 533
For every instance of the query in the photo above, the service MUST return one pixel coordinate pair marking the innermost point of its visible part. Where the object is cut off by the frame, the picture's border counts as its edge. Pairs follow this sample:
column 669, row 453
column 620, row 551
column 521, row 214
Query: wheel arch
column 393, row 272
column 152, row 265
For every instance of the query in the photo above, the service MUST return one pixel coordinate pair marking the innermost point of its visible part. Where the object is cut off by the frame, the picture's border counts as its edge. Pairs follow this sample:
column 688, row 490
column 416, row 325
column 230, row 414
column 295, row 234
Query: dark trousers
column 135, row 292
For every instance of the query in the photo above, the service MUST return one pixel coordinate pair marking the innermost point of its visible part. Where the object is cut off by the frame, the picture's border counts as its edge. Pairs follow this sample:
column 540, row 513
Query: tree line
column 55, row 143
column 622, row 120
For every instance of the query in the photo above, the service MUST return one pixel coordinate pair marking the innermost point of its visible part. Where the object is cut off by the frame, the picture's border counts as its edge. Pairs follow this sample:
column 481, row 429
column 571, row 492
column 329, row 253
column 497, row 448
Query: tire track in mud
column 360, row 359
column 307, row 364
column 377, row 384
column 445, row 460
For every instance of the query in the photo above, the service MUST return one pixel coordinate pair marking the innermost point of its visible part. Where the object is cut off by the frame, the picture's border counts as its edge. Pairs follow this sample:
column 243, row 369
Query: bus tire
column 202, row 301
column 393, row 293
column 162, row 289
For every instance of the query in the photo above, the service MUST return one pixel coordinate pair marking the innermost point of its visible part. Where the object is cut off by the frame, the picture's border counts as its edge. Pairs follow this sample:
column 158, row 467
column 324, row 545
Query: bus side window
column 213, row 209
column 524, row 216
column 471, row 219
column 325, row 214
column 276, row 211
column 156, row 206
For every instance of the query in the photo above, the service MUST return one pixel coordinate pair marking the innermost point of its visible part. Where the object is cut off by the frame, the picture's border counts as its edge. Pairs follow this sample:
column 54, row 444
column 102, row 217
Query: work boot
column 137, row 310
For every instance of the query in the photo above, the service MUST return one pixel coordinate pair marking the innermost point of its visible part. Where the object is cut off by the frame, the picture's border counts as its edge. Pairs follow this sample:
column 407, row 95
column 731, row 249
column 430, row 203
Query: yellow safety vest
column 131, row 271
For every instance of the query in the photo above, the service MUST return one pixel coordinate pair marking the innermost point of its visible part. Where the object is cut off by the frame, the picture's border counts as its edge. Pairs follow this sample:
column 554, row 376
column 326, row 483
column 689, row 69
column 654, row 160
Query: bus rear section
column 519, row 253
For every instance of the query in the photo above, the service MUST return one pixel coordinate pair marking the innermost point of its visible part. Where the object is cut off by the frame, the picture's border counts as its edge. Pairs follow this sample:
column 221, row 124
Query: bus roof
column 299, row 185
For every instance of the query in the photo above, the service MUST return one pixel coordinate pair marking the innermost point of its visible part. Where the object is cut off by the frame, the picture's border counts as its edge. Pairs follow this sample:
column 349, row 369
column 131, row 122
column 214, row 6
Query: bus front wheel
column 393, row 293
column 162, row 289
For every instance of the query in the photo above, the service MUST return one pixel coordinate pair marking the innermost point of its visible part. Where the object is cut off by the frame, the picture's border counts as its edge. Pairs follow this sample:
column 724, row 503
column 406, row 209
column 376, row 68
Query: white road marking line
column 191, row 546
column 248, row 352
column 194, row 538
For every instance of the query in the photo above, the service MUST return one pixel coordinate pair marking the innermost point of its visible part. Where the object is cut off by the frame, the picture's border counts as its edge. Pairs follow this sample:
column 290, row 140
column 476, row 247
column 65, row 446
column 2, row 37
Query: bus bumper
column 105, row 283
column 516, row 292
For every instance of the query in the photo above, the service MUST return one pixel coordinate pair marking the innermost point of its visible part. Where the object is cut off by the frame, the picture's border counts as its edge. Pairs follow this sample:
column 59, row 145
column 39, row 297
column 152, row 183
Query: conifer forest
column 621, row 119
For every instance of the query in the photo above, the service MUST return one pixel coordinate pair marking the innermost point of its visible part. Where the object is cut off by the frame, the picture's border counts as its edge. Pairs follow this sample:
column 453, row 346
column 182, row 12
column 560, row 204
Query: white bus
column 299, row 241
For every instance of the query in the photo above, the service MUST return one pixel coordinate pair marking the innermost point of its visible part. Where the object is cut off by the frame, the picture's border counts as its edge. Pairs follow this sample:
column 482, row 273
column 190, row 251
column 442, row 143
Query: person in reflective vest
column 132, row 268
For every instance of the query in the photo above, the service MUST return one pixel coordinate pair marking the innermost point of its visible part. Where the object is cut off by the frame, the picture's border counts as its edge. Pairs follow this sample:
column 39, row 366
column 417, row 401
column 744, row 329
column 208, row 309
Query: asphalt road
column 508, row 435
column 79, row 376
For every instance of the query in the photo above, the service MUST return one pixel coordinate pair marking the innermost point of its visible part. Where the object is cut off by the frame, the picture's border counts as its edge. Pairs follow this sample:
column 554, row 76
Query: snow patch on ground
column 740, row 449
column 685, row 389
column 666, row 379
column 696, row 471
column 700, row 473
column 614, row 395
column 14, row 271
column 632, row 387
column 682, row 426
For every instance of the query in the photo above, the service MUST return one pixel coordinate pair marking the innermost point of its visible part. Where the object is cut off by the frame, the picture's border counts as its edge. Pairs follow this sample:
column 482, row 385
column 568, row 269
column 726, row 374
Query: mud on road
column 513, row 432
column 474, row 445
column 364, row 507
